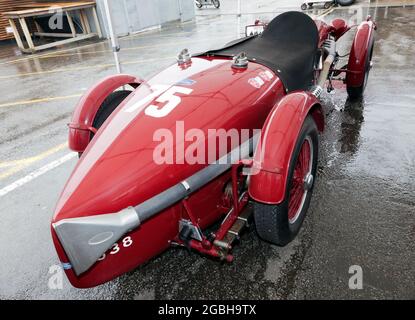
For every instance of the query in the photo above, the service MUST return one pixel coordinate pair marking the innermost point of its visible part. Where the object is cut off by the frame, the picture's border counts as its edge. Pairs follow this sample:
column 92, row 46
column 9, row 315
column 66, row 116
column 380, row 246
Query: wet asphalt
column 363, row 208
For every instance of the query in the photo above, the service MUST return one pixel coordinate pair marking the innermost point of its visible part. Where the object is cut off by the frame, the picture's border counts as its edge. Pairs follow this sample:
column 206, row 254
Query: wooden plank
column 86, row 21
column 46, row 10
column 31, row 8
column 16, row 34
column 71, row 24
column 7, row 5
column 54, row 35
column 55, row 3
column 81, row 18
column 26, row 32
column 97, row 25
column 66, row 41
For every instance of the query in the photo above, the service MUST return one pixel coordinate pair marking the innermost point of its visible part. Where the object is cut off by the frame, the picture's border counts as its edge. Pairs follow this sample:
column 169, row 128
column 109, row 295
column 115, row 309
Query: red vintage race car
column 175, row 160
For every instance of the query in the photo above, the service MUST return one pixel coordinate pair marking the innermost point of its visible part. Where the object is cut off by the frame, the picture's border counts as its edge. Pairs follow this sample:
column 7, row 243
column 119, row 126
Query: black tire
column 216, row 3
column 304, row 6
column 345, row 2
column 272, row 222
column 108, row 107
column 356, row 93
column 198, row 5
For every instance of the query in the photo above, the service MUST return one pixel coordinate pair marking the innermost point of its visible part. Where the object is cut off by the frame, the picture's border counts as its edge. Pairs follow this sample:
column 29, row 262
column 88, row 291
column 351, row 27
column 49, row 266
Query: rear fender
column 80, row 127
column 279, row 135
column 364, row 38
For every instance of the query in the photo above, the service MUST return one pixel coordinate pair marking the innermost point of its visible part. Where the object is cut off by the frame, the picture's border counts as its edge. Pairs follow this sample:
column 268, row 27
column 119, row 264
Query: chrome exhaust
column 330, row 47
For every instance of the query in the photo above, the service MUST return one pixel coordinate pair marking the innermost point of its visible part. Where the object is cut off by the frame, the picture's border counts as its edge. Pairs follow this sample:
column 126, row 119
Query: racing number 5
column 171, row 100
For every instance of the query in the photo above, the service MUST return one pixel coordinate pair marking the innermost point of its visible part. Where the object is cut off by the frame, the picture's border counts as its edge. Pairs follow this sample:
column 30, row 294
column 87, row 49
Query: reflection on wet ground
column 362, row 212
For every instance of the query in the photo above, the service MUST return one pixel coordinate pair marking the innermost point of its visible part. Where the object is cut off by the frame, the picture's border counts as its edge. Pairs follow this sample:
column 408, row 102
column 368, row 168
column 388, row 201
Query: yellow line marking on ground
column 33, row 101
column 131, row 48
column 35, row 56
column 19, row 165
column 327, row 12
column 57, row 71
column 146, row 33
column 149, row 33
column 37, row 173
column 322, row 14
column 98, row 66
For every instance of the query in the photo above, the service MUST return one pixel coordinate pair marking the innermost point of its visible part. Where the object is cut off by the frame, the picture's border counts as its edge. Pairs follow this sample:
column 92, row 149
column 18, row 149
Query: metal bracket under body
column 219, row 243
column 195, row 234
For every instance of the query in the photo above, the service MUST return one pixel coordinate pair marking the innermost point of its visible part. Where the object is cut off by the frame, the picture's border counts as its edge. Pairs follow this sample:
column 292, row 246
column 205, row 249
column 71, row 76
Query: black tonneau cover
column 288, row 46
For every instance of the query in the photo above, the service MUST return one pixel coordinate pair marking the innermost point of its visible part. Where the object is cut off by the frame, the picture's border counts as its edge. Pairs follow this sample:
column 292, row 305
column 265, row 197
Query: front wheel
column 107, row 108
column 216, row 3
column 280, row 223
column 198, row 4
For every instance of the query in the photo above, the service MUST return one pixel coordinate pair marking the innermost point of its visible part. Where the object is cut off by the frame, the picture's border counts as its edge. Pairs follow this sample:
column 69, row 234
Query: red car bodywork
column 117, row 168
column 221, row 98
column 81, row 127
column 364, row 38
column 277, row 143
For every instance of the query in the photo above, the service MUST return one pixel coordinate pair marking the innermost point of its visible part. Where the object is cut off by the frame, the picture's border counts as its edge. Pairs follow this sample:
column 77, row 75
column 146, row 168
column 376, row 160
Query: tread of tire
column 266, row 223
column 271, row 220
column 108, row 106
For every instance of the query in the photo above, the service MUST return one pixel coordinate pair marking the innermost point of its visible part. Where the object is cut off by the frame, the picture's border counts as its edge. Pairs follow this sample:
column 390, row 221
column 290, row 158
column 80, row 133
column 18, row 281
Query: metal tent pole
column 114, row 39
column 180, row 10
column 239, row 20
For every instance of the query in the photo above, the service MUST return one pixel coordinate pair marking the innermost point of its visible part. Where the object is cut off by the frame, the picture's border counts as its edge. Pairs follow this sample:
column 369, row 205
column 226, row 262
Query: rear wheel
column 216, row 3
column 198, row 5
column 279, row 224
column 107, row 108
column 304, row 6
column 355, row 93
column 345, row 2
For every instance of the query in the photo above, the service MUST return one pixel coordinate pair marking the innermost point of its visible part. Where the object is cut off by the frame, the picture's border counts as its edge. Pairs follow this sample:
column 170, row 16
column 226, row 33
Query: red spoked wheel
column 301, row 181
column 279, row 224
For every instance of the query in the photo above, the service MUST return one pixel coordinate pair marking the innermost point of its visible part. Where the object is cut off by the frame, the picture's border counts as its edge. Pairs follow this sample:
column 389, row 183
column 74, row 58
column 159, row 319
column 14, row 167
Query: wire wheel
column 280, row 223
column 301, row 181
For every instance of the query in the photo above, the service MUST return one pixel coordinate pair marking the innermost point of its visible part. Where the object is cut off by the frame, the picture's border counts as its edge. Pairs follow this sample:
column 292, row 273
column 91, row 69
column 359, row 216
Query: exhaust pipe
column 330, row 47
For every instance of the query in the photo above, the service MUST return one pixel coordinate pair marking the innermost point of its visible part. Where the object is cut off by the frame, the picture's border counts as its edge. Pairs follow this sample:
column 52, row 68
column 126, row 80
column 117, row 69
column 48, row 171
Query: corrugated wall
column 130, row 16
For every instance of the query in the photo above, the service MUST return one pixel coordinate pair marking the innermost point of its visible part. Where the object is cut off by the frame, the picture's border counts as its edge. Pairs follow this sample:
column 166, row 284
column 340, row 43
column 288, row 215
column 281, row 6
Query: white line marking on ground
column 36, row 173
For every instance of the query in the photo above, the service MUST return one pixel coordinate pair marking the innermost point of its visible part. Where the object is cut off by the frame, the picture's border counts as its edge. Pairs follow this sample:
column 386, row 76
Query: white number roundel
column 171, row 100
column 165, row 94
